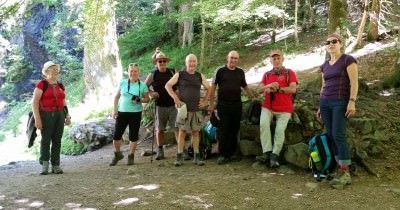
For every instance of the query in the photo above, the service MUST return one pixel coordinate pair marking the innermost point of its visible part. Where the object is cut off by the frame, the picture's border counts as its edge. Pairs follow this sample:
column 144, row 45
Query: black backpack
column 30, row 125
column 254, row 112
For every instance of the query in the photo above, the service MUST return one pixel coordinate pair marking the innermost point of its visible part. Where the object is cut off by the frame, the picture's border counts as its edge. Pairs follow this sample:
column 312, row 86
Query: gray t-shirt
column 189, row 89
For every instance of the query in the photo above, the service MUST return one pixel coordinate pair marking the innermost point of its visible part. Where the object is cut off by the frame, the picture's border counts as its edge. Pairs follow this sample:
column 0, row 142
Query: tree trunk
column 296, row 8
column 337, row 16
column 187, row 36
column 240, row 32
column 362, row 26
column 203, row 40
column 102, row 69
column 274, row 25
column 168, row 9
column 373, row 32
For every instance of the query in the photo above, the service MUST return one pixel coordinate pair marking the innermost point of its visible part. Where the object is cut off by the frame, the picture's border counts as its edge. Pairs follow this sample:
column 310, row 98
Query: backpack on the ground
column 207, row 136
column 322, row 158
column 254, row 112
column 30, row 125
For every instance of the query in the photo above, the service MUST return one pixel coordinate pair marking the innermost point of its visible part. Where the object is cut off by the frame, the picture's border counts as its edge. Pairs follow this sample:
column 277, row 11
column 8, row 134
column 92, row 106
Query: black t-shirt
column 159, row 79
column 229, row 85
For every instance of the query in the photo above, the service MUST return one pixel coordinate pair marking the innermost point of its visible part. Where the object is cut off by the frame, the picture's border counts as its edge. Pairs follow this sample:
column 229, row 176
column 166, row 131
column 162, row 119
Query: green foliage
column 17, row 111
column 48, row 3
column 74, row 92
column 393, row 81
column 137, row 40
column 99, row 114
column 69, row 146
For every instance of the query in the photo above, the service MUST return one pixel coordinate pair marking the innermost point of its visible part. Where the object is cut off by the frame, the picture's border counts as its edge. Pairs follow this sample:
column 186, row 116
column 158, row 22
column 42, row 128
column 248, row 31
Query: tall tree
column 187, row 36
column 362, row 26
column 102, row 67
column 373, row 32
column 337, row 15
column 296, row 8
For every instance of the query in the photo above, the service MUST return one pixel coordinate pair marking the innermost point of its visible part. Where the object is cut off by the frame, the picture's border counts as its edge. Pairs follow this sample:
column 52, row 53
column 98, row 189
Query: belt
column 51, row 109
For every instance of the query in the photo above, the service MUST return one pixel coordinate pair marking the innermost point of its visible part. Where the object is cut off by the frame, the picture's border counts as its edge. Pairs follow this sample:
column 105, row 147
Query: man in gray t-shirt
column 189, row 83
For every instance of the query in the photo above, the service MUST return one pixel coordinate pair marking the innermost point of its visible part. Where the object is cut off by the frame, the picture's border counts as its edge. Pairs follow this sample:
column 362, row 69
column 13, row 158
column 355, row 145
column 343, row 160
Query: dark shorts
column 123, row 120
column 165, row 116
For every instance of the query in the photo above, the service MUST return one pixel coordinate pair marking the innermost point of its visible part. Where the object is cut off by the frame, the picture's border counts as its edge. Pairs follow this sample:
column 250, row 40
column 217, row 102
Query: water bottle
column 316, row 160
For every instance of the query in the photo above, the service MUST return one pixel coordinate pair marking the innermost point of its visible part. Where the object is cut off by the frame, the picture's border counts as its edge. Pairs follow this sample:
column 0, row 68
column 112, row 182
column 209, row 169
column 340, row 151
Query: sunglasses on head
column 133, row 65
column 333, row 41
column 162, row 61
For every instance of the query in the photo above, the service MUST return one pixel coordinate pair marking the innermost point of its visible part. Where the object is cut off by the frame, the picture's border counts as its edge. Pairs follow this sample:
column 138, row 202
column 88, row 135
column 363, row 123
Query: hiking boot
column 343, row 178
column 117, row 157
column 186, row 155
column 222, row 160
column 56, row 170
column 45, row 168
column 197, row 159
column 131, row 159
column 179, row 159
column 273, row 162
column 264, row 158
column 160, row 154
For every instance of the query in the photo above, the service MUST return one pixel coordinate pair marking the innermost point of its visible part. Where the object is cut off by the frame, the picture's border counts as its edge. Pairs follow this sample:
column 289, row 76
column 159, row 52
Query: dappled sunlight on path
column 309, row 60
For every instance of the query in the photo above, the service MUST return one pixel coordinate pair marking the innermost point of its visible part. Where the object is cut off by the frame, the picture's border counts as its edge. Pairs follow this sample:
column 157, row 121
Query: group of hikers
column 179, row 103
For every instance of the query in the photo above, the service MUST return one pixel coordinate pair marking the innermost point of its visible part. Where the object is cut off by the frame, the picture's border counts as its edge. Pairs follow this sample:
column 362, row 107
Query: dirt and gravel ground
column 89, row 183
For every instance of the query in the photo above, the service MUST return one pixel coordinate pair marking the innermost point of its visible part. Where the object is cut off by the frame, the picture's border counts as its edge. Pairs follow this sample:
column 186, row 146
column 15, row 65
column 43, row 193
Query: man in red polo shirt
column 278, row 85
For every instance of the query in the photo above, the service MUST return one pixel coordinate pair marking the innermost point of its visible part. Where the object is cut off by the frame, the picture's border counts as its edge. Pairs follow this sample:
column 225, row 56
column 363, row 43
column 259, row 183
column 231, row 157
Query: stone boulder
column 297, row 154
column 94, row 134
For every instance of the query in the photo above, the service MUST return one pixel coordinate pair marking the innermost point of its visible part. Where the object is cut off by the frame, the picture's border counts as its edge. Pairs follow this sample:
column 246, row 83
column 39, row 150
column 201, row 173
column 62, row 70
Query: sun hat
column 160, row 56
column 47, row 65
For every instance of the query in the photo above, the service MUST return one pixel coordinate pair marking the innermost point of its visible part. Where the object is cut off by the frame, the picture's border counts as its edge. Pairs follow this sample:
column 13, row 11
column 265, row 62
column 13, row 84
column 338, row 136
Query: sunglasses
column 162, row 61
column 333, row 41
column 133, row 65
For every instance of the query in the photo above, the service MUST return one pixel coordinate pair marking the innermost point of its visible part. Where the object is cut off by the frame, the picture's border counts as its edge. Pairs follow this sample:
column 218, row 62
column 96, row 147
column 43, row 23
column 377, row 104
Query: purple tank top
column 337, row 82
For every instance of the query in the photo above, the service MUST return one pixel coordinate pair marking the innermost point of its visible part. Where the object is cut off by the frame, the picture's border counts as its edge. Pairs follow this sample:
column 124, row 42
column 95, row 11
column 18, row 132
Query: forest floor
column 89, row 182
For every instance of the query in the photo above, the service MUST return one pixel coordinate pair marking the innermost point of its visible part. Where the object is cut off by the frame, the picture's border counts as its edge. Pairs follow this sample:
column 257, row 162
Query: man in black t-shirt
column 165, row 106
column 230, row 80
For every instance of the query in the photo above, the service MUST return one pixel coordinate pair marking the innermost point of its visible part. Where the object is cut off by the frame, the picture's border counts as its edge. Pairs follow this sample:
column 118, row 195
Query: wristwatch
column 353, row 99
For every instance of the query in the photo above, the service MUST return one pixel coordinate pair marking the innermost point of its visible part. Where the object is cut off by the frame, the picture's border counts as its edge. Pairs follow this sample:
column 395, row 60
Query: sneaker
column 160, row 154
column 186, row 155
column 222, row 160
column 179, row 159
column 131, row 159
column 117, row 157
column 273, row 162
column 264, row 158
column 197, row 159
column 343, row 178
column 45, row 168
column 56, row 170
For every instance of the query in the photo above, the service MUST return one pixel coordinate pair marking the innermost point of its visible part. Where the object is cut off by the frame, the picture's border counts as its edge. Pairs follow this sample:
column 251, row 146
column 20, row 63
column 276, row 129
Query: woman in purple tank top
column 338, row 103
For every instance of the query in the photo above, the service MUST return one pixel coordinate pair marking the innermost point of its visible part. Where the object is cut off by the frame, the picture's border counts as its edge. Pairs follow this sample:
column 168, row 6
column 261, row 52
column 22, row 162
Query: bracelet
column 353, row 99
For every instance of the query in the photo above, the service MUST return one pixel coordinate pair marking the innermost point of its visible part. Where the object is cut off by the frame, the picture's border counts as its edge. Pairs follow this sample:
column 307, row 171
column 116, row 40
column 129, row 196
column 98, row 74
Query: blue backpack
column 322, row 159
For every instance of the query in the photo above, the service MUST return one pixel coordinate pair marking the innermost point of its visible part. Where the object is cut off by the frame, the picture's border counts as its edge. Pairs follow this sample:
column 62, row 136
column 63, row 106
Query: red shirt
column 51, row 101
column 282, row 102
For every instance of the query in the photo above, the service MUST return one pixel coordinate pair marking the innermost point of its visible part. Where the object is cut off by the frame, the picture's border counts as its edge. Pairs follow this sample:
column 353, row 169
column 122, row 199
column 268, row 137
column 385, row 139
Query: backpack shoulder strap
column 45, row 85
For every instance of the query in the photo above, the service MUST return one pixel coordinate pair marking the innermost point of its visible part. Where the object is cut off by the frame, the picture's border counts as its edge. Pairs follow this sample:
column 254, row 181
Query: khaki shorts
column 193, row 122
column 165, row 116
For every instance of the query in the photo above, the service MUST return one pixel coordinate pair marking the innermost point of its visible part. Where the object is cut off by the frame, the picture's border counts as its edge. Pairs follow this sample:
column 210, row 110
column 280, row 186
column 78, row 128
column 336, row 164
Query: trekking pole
column 154, row 131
